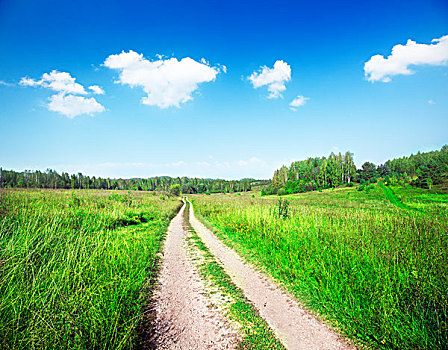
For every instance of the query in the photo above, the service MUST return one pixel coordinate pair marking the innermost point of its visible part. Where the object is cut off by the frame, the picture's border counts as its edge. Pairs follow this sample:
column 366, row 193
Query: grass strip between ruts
column 255, row 331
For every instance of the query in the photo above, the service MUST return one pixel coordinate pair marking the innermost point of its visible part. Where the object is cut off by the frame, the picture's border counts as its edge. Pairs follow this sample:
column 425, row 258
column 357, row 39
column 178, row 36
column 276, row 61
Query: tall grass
column 377, row 272
column 73, row 266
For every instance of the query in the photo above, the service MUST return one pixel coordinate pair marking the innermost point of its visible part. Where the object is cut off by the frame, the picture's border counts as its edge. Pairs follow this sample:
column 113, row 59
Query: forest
column 52, row 179
column 424, row 170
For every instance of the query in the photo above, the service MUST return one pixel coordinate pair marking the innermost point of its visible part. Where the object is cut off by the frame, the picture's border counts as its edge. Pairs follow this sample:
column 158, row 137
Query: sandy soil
column 184, row 318
column 294, row 326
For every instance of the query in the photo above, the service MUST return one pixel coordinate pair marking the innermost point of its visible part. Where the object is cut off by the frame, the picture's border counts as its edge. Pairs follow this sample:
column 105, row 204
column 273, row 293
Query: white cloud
column 298, row 102
column 167, row 82
column 179, row 163
column 255, row 160
column 402, row 57
column 431, row 102
column 57, row 81
column 118, row 165
column 203, row 163
column 4, row 83
column 275, row 78
column 72, row 106
column 96, row 89
column 221, row 164
column 65, row 102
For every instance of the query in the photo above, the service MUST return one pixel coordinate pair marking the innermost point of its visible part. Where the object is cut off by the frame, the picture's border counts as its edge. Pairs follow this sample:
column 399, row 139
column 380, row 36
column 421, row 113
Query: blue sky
column 227, row 116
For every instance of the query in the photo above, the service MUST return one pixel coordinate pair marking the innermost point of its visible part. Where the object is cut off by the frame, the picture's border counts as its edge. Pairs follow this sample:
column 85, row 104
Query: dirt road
column 184, row 318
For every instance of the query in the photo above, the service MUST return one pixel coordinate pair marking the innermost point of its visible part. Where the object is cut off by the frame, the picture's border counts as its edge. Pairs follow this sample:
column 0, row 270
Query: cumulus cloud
column 72, row 106
column 96, row 89
column 65, row 100
column 167, row 82
column 403, row 57
column 57, row 81
column 298, row 102
column 274, row 78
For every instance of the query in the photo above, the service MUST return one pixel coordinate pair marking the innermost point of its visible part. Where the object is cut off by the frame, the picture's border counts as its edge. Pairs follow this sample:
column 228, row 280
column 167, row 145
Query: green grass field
column 75, row 267
column 373, row 263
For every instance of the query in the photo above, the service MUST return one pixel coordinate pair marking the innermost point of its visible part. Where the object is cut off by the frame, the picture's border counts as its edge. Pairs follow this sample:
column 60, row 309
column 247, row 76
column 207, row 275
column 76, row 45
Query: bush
column 175, row 190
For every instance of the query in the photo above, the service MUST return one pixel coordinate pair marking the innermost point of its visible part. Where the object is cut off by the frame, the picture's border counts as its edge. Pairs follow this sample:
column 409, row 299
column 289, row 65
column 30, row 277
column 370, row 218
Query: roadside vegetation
column 76, row 266
column 373, row 263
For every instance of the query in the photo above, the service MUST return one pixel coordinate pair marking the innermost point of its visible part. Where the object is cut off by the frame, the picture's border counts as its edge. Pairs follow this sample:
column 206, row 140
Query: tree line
column 52, row 179
column 422, row 169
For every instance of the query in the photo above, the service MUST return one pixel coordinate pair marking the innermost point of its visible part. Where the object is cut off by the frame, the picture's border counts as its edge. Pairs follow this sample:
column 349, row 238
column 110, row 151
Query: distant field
column 74, row 264
column 374, row 263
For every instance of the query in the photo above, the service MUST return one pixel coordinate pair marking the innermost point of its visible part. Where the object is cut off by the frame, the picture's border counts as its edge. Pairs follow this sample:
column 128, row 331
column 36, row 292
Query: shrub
column 282, row 208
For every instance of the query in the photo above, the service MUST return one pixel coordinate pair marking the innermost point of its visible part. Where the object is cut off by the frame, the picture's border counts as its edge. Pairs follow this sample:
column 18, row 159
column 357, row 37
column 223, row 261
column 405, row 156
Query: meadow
column 77, row 266
column 372, row 263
